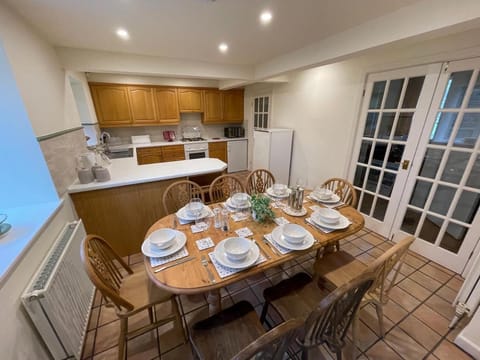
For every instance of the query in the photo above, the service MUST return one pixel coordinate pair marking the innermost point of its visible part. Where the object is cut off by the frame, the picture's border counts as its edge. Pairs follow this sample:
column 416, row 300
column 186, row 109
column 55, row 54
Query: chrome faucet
column 105, row 139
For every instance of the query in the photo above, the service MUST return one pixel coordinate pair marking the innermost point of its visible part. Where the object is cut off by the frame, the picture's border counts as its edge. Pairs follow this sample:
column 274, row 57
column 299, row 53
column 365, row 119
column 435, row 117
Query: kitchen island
column 122, row 209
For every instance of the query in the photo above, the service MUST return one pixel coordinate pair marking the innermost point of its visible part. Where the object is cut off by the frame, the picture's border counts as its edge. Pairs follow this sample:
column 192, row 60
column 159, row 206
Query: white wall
column 41, row 82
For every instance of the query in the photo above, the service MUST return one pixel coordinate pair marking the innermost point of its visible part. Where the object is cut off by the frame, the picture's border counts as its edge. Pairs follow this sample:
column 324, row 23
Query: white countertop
column 177, row 142
column 126, row 172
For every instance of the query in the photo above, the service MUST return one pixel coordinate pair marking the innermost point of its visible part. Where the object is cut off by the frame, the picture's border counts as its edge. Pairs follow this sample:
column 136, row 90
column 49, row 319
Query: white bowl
column 279, row 189
column 328, row 216
column 323, row 194
column 239, row 199
column 293, row 233
column 237, row 248
column 194, row 208
column 162, row 238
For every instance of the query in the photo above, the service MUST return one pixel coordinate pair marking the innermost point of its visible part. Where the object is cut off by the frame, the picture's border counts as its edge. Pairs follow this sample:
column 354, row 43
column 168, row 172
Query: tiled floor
column 416, row 318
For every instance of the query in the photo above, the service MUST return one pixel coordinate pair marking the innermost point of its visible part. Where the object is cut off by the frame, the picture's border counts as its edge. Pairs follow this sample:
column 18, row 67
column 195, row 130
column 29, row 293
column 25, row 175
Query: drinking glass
column 196, row 207
column 301, row 182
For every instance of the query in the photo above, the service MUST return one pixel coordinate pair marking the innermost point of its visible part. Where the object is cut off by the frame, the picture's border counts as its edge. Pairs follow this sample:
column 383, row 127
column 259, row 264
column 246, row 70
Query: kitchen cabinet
column 149, row 155
column 173, row 153
column 112, row 105
column 218, row 150
column 190, row 100
column 166, row 101
column 213, row 107
column 157, row 154
column 232, row 106
column 142, row 103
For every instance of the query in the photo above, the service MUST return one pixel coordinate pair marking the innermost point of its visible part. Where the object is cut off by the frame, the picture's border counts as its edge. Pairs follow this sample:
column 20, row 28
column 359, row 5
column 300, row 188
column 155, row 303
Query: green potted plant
column 261, row 210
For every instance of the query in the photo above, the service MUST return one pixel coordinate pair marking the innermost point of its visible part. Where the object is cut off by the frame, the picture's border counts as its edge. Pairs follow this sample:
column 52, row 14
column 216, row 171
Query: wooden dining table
column 191, row 277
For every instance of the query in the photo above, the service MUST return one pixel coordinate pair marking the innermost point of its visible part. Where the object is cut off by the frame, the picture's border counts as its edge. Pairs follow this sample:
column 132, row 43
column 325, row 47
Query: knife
column 175, row 263
column 275, row 251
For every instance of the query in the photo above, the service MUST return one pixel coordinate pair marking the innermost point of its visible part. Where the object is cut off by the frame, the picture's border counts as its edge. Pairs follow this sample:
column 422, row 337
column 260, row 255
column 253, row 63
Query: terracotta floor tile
column 107, row 336
column 110, row 354
column 136, row 258
column 420, row 332
column 240, row 285
column 447, row 293
column 382, row 351
column 366, row 258
column 455, row 283
column 431, row 357
column 192, row 302
column 375, row 252
column 107, row 315
column 308, row 266
column 415, row 289
column 425, row 280
column 406, row 269
column 171, row 336
column 273, row 271
column 385, row 245
column 418, row 256
column 435, row 273
column 288, row 264
column 143, row 347
column 448, row 351
column 442, row 268
column 97, row 300
column 404, row 344
column 296, row 269
column 441, row 306
column 404, row 299
column 394, row 312
column 88, row 344
column 366, row 337
column 93, row 320
column 362, row 244
column 373, row 239
column 368, row 315
column 414, row 261
column 453, row 333
column 259, row 287
column 246, row 294
column 183, row 352
column 352, row 249
column 431, row 318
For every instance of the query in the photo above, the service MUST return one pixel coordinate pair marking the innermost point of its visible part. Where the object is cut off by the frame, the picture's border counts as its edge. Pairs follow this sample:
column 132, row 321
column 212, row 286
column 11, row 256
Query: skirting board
column 467, row 345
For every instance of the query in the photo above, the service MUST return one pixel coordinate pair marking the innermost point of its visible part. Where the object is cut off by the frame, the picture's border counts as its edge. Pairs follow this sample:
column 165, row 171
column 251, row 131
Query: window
column 261, row 112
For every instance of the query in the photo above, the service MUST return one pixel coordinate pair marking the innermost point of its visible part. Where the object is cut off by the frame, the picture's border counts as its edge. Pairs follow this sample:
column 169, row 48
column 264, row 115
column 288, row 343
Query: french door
column 437, row 197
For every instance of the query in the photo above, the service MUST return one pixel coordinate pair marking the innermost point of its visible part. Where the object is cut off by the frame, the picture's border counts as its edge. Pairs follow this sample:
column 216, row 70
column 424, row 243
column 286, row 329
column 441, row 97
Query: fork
column 205, row 263
column 261, row 250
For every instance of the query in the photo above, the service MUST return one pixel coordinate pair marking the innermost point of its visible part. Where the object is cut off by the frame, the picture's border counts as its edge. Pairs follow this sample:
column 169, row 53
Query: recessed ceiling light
column 223, row 47
column 266, row 17
column 122, row 34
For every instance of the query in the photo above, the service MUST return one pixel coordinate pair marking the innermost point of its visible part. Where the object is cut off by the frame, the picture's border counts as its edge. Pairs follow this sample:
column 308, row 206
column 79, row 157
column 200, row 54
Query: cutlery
column 275, row 251
column 175, row 263
column 262, row 251
column 205, row 263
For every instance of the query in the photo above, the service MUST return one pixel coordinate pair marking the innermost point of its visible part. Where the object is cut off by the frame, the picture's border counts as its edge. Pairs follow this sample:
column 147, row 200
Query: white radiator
column 59, row 298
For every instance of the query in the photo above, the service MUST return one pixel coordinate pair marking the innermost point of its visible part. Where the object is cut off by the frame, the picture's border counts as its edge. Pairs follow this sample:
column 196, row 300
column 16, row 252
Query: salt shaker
column 218, row 222
column 225, row 220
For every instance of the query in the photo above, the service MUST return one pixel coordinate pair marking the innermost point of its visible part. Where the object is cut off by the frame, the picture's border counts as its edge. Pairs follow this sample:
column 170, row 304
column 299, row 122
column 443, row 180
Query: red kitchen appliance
column 169, row 135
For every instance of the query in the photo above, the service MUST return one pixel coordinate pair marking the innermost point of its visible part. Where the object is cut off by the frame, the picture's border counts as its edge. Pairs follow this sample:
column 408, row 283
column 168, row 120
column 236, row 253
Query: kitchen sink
column 119, row 154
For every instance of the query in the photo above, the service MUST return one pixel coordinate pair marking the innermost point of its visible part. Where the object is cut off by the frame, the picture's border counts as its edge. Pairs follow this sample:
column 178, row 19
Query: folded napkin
column 155, row 261
column 244, row 232
column 205, row 243
column 280, row 248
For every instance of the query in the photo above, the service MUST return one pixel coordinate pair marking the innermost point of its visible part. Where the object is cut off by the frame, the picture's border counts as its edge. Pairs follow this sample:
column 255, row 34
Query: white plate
column 277, row 235
column 270, row 192
column 291, row 212
column 230, row 204
column 222, row 258
column 151, row 251
column 334, row 199
column 182, row 214
column 342, row 223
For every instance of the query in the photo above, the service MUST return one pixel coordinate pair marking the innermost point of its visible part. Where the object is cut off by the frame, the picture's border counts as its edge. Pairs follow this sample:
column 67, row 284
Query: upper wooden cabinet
column 142, row 103
column 190, row 100
column 233, row 106
column 166, row 100
column 213, row 107
column 112, row 105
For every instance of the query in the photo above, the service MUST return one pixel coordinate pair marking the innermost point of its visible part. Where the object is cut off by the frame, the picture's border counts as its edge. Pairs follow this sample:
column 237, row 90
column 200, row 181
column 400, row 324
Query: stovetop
column 193, row 139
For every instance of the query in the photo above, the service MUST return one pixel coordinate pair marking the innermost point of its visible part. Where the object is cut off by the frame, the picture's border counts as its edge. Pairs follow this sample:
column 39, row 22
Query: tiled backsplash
column 156, row 132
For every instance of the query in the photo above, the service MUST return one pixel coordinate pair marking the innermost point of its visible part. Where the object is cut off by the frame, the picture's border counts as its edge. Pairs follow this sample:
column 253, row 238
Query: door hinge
column 363, row 92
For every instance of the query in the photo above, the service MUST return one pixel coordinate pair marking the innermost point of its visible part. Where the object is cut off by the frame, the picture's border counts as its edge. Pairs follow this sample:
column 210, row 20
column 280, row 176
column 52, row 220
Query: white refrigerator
column 272, row 150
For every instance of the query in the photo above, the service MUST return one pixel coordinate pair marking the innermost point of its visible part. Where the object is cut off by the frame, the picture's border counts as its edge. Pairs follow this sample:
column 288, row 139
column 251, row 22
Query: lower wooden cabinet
column 218, row 150
column 157, row 154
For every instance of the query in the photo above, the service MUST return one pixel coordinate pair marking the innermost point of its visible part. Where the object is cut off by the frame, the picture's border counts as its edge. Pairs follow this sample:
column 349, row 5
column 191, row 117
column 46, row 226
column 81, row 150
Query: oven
column 196, row 150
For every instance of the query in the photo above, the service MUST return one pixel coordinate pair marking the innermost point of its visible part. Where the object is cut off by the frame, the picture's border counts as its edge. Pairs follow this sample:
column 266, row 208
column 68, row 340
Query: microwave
column 234, row 132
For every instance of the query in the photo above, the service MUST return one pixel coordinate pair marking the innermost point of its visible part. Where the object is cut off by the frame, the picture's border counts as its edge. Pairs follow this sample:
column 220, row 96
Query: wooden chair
column 178, row 194
column 335, row 269
column 236, row 333
column 327, row 315
column 258, row 181
column 343, row 189
column 126, row 288
column 223, row 186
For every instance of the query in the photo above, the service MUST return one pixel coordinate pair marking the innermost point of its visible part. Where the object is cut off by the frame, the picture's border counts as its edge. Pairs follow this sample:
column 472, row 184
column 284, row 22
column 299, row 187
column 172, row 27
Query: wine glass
column 301, row 182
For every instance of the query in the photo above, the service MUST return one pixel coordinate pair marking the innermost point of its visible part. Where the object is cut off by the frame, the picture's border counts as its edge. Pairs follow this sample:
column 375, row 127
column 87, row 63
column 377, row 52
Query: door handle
column 405, row 164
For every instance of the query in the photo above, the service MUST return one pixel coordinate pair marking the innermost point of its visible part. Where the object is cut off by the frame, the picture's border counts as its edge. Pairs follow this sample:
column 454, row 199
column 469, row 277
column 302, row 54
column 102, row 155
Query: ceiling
column 192, row 29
